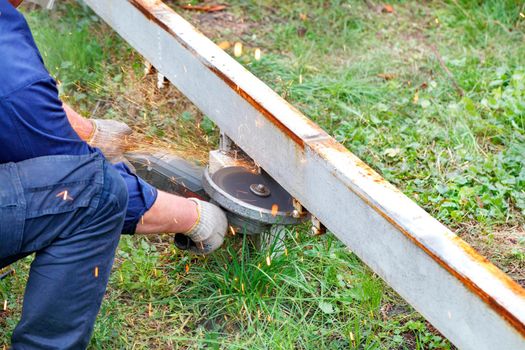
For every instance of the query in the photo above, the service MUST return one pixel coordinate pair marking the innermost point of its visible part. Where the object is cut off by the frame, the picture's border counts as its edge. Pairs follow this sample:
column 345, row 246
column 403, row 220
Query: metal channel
column 475, row 305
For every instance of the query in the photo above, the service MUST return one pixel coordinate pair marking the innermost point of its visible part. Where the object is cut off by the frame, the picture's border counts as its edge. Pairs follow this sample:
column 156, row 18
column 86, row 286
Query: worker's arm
column 203, row 222
column 110, row 136
column 83, row 126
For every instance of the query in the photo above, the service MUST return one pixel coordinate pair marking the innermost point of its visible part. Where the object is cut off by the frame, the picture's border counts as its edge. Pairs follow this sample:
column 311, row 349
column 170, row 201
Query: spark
column 142, row 219
column 65, row 196
column 237, row 49
column 257, row 54
column 232, row 230
column 96, row 271
column 5, row 305
column 187, row 268
column 275, row 209
column 224, row 45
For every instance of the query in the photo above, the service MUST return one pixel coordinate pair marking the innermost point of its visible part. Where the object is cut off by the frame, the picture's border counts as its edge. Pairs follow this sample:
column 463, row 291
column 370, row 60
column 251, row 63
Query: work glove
column 207, row 235
column 110, row 136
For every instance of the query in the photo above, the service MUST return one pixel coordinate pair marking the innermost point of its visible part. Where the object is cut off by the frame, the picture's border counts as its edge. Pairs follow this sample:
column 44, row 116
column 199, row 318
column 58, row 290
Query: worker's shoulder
column 20, row 61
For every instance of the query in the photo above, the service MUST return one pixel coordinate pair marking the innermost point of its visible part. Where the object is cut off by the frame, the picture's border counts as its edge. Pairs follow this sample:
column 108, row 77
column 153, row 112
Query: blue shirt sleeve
column 141, row 198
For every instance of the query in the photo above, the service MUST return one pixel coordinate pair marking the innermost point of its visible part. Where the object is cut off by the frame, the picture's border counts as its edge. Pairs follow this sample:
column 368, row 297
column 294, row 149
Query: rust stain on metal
column 261, row 109
column 149, row 12
column 511, row 284
column 153, row 11
column 331, row 144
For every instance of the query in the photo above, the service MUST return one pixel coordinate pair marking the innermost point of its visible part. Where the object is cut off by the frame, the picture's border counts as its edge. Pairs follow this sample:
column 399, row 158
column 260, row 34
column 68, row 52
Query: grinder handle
column 183, row 242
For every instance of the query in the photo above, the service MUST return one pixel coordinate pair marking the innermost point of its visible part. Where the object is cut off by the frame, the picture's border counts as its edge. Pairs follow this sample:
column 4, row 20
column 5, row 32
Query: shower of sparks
column 257, row 54
column 237, row 49
column 275, row 209
column 65, row 196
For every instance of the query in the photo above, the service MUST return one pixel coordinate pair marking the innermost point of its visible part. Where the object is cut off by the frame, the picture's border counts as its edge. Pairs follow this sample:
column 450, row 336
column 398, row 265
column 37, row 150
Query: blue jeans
column 69, row 210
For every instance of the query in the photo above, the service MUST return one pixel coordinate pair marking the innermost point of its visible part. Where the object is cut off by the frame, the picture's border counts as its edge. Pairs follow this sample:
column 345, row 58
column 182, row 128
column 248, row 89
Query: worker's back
column 27, row 94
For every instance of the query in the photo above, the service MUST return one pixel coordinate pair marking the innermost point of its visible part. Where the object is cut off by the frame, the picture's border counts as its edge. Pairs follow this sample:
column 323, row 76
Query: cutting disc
column 259, row 190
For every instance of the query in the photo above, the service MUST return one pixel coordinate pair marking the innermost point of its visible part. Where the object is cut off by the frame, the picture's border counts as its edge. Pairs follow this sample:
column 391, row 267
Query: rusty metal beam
column 468, row 299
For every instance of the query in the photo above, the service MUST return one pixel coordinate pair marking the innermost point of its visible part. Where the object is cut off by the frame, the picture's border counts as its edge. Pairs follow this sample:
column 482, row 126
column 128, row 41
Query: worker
column 61, row 199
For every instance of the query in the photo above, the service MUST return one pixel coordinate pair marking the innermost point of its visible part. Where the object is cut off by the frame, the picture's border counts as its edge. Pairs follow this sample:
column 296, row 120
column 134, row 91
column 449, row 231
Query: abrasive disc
column 256, row 189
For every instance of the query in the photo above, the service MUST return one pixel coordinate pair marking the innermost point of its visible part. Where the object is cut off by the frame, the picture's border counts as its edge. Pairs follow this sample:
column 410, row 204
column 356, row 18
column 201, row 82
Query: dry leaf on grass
column 386, row 76
column 387, row 9
column 204, row 8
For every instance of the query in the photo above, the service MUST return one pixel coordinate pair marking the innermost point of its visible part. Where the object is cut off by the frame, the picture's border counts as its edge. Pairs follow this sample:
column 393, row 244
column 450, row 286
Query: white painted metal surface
column 467, row 298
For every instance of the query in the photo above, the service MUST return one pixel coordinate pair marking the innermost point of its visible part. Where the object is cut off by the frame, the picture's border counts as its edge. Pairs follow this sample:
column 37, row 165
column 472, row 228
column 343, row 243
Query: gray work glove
column 110, row 136
column 207, row 235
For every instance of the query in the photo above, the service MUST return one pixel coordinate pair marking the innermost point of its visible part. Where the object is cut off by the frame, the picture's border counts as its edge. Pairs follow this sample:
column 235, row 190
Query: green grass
column 447, row 127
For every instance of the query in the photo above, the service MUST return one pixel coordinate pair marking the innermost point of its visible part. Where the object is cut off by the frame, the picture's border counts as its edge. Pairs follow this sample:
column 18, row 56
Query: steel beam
column 474, row 304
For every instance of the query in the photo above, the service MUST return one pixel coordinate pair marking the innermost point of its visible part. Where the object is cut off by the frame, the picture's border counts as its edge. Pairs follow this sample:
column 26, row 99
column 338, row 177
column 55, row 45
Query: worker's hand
column 110, row 136
column 208, row 233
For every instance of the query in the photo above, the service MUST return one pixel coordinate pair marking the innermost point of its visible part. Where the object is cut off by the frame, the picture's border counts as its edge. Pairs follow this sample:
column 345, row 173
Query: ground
column 430, row 94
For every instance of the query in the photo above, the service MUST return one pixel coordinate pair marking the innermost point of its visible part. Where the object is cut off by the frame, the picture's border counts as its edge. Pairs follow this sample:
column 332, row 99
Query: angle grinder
column 252, row 199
